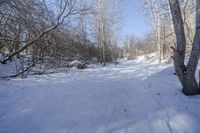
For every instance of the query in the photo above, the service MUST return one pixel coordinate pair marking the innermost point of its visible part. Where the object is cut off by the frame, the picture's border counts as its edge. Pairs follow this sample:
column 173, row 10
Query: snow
column 136, row 96
column 74, row 63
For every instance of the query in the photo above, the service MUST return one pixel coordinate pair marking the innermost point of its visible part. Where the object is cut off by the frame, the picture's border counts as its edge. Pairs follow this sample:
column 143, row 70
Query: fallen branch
column 23, row 71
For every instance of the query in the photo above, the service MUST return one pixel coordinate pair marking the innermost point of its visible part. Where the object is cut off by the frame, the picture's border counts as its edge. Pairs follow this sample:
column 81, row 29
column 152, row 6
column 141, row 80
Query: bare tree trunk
column 103, row 54
column 159, row 44
column 195, row 54
column 186, row 74
column 104, row 43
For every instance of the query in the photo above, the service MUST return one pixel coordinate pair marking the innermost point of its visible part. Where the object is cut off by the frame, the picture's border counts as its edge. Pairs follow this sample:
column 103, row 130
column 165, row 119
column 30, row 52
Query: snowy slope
column 133, row 97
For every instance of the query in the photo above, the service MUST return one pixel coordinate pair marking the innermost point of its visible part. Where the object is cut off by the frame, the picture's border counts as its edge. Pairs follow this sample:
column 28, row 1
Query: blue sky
column 134, row 21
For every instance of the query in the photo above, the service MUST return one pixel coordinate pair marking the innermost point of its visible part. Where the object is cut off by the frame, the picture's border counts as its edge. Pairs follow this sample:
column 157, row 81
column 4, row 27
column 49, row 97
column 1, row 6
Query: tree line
column 55, row 32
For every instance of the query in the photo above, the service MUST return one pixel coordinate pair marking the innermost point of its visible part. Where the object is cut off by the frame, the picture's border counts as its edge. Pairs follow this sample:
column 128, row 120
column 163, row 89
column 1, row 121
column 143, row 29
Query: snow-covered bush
column 77, row 64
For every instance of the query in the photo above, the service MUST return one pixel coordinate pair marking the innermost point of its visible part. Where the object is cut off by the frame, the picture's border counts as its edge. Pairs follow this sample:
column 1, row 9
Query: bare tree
column 116, row 17
column 155, row 13
column 159, row 12
column 34, row 29
column 186, row 73
column 105, row 20
column 68, row 9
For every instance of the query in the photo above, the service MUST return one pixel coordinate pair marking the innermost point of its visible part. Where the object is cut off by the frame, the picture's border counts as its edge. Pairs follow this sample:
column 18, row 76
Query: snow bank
column 77, row 64
column 74, row 63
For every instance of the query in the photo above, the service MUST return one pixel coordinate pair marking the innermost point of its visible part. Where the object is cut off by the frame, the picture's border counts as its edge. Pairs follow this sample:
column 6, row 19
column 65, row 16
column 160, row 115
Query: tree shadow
column 175, row 113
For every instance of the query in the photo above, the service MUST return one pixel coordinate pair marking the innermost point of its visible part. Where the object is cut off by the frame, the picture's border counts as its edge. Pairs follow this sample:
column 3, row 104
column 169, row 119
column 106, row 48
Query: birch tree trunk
column 185, row 73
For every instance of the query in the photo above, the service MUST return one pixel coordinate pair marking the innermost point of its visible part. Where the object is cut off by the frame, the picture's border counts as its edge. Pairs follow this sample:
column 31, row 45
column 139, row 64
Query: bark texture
column 186, row 73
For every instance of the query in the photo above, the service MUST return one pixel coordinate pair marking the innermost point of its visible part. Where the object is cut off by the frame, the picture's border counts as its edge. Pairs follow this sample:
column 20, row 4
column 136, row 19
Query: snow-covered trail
column 132, row 97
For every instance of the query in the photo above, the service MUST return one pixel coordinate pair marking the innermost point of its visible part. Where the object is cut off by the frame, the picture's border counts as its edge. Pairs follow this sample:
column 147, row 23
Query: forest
column 67, row 66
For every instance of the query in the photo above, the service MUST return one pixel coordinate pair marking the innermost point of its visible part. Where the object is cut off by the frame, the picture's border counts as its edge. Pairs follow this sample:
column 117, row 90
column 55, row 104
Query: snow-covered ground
column 133, row 97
